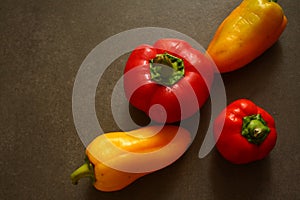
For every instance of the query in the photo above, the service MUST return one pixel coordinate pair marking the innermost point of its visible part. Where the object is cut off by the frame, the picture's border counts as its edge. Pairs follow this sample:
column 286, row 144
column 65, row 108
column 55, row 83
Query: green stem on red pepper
column 255, row 129
column 166, row 69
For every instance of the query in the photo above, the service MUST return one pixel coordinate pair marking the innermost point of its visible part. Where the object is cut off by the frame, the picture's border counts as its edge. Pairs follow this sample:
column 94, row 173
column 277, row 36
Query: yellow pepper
column 114, row 160
column 249, row 30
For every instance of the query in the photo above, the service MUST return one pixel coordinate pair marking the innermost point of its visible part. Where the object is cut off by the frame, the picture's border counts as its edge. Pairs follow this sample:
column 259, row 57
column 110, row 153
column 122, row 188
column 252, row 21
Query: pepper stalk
column 84, row 171
column 166, row 69
column 255, row 129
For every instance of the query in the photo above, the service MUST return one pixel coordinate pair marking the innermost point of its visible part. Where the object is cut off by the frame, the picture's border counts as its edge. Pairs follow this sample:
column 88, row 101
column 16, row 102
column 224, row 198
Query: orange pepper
column 109, row 153
column 249, row 30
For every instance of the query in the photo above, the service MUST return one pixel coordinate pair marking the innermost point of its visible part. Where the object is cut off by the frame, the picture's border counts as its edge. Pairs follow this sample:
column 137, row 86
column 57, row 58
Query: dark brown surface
column 43, row 44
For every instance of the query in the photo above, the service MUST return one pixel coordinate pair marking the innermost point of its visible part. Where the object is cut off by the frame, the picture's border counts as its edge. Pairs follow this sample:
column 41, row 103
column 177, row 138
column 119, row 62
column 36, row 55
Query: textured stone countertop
column 44, row 43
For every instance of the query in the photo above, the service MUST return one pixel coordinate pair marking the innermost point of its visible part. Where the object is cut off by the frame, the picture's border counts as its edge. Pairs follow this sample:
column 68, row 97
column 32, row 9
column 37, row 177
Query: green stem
column 255, row 129
column 273, row 1
column 84, row 171
column 166, row 69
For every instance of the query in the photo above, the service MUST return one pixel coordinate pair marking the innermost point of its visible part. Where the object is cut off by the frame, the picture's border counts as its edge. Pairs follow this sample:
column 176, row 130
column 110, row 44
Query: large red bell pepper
column 172, row 74
column 248, row 133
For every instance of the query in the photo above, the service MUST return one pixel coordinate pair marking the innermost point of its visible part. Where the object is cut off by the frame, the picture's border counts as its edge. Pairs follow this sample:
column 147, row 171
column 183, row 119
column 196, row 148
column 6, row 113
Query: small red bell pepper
column 248, row 133
column 171, row 74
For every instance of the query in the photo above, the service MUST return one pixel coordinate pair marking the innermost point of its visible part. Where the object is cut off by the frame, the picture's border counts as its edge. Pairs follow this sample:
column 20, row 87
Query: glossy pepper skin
column 249, row 30
column 171, row 73
column 115, row 160
column 248, row 133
